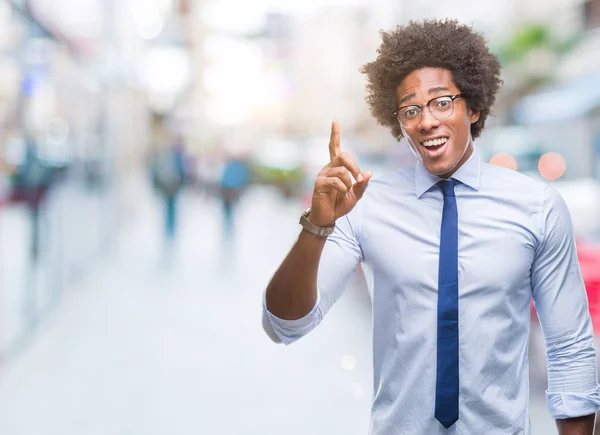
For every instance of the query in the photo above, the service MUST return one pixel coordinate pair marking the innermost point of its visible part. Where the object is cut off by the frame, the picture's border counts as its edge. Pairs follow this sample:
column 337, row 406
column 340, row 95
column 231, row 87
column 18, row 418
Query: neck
column 468, row 153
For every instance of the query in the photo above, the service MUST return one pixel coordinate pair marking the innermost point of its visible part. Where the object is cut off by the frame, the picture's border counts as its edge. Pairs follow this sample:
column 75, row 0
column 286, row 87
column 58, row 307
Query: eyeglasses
column 440, row 107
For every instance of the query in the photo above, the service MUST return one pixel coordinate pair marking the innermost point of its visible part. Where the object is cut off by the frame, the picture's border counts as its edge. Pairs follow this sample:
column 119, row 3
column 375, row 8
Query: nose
column 428, row 121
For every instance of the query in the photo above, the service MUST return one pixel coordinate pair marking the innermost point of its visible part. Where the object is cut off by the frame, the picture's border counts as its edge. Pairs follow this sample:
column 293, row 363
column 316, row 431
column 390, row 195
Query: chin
column 439, row 170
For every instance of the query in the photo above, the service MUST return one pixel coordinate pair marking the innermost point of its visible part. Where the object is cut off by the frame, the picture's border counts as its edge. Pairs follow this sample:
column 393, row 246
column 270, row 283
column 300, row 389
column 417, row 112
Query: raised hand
column 335, row 194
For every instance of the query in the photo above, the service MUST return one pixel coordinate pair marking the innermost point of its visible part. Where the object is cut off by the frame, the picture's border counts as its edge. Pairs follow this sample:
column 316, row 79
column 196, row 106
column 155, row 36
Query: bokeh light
column 358, row 392
column 348, row 362
column 505, row 160
column 552, row 166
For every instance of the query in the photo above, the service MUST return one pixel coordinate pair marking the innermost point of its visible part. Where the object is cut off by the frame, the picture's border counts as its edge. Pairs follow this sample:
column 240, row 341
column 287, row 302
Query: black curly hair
column 436, row 44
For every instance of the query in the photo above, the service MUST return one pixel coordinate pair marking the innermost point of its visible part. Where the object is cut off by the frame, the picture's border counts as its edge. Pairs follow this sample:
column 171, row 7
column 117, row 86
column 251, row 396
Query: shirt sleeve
column 339, row 259
column 561, row 303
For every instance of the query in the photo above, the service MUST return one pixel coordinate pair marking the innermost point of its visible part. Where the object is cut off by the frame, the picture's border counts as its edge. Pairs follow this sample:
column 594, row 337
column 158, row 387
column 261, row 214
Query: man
column 453, row 250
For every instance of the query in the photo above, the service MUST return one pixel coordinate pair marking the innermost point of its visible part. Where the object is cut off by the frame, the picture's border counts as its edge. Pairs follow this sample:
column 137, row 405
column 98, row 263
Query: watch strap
column 314, row 229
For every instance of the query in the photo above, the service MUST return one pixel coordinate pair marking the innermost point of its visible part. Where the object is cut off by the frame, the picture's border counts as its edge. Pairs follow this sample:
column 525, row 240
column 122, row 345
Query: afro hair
column 436, row 44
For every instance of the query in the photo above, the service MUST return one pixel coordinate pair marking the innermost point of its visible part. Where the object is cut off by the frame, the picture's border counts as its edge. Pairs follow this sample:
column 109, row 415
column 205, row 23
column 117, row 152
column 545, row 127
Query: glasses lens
column 441, row 107
column 409, row 116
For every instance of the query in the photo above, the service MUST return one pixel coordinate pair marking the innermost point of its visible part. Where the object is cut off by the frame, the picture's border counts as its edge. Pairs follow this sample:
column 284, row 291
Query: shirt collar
column 469, row 173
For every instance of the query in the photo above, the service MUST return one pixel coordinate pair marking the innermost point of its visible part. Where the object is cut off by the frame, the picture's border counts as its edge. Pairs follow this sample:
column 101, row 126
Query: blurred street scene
column 156, row 156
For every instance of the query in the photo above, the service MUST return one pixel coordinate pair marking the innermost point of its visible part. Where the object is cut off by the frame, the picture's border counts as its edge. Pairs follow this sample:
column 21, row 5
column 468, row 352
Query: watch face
column 326, row 231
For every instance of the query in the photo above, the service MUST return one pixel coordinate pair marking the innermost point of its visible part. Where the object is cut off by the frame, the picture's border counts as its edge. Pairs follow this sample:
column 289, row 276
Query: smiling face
column 442, row 145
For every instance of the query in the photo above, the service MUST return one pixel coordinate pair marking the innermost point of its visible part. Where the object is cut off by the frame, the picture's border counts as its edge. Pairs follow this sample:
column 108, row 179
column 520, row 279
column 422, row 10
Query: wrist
column 313, row 227
column 315, row 220
column 310, row 237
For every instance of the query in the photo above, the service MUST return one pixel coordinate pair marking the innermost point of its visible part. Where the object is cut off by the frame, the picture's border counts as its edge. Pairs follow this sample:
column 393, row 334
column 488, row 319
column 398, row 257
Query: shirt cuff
column 570, row 405
column 289, row 331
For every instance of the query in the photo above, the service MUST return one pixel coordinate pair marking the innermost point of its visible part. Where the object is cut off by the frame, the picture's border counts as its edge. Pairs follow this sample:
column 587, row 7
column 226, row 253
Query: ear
column 474, row 116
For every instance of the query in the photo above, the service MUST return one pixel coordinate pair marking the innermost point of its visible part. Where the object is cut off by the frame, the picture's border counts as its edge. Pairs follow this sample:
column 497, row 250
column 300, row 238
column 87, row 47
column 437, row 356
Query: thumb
column 360, row 186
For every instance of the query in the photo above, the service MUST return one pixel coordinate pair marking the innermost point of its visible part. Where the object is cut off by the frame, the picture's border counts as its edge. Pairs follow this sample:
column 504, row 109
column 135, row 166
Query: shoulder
column 530, row 195
column 514, row 188
column 555, row 211
column 500, row 178
column 511, row 193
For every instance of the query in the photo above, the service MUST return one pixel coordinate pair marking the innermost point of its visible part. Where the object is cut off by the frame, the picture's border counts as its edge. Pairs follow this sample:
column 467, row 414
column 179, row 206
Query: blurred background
column 156, row 155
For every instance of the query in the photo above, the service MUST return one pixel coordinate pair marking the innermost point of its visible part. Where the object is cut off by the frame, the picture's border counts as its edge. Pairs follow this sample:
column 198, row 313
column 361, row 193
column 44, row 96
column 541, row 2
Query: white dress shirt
column 515, row 242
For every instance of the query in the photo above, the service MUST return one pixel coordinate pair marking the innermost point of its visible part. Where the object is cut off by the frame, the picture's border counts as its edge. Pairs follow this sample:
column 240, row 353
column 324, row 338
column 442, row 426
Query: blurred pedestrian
column 31, row 183
column 234, row 180
column 168, row 177
column 454, row 249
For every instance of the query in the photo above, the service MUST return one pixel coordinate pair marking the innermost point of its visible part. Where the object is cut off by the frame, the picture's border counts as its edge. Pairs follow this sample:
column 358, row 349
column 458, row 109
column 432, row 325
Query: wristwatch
column 312, row 228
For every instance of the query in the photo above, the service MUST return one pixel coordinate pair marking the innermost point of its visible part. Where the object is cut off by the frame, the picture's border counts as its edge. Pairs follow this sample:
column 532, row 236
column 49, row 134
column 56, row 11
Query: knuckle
column 324, row 172
column 340, row 171
column 330, row 171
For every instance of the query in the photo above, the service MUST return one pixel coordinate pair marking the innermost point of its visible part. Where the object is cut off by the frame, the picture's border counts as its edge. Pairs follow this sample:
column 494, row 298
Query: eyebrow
column 430, row 91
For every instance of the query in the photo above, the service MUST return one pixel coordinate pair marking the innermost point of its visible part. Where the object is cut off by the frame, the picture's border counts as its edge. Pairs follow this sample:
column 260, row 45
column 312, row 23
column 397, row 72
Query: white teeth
column 435, row 142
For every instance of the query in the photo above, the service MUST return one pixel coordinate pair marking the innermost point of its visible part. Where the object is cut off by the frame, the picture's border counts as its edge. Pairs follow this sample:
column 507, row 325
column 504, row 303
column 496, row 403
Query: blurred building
column 79, row 84
column 561, row 113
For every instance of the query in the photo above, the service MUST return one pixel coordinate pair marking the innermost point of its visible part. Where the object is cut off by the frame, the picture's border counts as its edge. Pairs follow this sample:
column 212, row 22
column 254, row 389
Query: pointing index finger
column 334, row 140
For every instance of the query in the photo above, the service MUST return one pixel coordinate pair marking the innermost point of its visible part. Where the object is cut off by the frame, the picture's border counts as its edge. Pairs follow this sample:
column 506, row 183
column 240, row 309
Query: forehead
column 421, row 81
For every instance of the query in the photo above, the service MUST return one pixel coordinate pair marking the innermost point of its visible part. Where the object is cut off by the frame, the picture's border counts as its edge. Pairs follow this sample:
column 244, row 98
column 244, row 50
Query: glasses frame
column 422, row 107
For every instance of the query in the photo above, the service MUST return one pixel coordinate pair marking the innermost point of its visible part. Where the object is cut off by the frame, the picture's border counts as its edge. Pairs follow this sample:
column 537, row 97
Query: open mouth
column 433, row 145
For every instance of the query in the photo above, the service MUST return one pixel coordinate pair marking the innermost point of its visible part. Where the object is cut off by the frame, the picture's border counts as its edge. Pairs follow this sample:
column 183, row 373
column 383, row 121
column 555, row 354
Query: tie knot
column 447, row 187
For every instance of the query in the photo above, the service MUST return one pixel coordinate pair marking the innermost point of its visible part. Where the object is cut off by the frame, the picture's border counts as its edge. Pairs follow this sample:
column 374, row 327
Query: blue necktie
column 446, row 389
